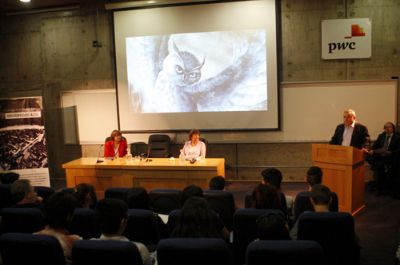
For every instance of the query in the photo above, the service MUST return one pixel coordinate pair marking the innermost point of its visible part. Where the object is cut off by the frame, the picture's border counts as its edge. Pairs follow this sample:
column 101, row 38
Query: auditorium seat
column 159, row 145
column 117, row 193
column 142, row 227
column 163, row 201
column 20, row 249
column 245, row 230
column 5, row 196
column 223, row 203
column 284, row 252
column 193, row 251
column 105, row 252
column 302, row 204
column 22, row 220
column 84, row 223
column 334, row 231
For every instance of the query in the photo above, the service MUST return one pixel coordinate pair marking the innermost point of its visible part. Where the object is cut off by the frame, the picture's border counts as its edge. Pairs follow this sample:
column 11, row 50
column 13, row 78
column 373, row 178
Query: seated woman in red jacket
column 116, row 146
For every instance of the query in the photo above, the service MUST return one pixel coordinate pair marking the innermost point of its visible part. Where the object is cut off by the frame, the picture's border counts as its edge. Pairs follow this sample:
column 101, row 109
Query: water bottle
column 182, row 157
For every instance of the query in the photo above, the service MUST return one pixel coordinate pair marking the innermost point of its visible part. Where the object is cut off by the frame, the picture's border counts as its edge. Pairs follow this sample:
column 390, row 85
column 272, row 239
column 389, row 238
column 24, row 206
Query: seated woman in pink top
column 194, row 149
column 116, row 146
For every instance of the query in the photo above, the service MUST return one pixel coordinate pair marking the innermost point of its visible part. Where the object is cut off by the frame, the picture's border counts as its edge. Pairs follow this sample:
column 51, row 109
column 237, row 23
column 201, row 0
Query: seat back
column 165, row 200
column 142, row 227
column 245, row 230
column 223, row 203
column 302, row 204
column 44, row 192
column 284, row 252
column 117, row 193
column 138, row 148
column 159, row 145
column 334, row 232
column 22, row 220
column 84, row 223
column 5, row 196
column 105, row 252
column 19, row 248
column 173, row 218
column 193, row 251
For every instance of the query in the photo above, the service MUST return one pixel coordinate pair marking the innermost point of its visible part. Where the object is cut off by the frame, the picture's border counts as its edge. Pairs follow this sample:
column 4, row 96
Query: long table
column 149, row 174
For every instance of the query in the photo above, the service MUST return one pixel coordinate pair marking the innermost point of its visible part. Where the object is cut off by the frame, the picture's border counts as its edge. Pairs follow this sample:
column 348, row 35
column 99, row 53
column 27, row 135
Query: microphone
column 148, row 153
column 98, row 155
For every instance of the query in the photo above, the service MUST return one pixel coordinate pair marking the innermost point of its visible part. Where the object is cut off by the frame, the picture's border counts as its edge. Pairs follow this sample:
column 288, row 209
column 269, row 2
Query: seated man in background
column 383, row 156
column 112, row 217
column 24, row 195
column 273, row 177
column 217, row 183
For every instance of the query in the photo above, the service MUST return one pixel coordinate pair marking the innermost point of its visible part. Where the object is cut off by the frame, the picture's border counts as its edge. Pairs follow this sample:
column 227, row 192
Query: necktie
column 386, row 144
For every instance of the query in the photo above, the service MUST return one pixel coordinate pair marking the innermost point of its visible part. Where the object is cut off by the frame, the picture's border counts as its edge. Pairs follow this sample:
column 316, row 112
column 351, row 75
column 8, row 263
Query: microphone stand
column 98, row 155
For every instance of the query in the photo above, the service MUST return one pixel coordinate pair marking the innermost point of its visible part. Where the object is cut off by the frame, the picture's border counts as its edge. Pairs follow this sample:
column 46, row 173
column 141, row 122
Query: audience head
column 194, row 135
column 23, row 192
column 196, row 220
column 59, row 209
column 191, row 191
column 349, row 116
column 116, row 135
column 272, row 226
column 138, row 198
column 217, row 183
column 9, row 177
column 265, row 196
column 314, row 176
column 320, row 196
column 112, row 216
column 86, row 195
column 272, row 176
column 389, row 127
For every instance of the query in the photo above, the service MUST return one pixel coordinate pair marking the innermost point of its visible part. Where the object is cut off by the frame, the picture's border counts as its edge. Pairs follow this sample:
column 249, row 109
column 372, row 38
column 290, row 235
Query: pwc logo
column 346, row 38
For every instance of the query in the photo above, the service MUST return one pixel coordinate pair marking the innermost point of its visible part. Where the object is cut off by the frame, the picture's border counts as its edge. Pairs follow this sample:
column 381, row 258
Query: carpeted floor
column 378, row 227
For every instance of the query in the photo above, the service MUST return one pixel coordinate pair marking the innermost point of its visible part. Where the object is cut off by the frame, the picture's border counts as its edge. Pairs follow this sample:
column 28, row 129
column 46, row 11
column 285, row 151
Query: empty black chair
column 5, row 196
column 302, row 203
column 334, row 232
column 44, row 192
column 284, row 252
column 117, row 193
column 245, row 230
column 163, row 201
column 20, row 249
column 105, row 252
column 142, row 227
column 84, row 223
column 159, row 145
column 193, row 251
column 22, row 220
column 138, row 148
column 223, row 203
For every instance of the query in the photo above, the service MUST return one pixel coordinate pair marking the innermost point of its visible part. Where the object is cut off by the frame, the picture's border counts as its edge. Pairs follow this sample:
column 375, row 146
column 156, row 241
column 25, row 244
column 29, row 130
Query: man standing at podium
column 351, row 133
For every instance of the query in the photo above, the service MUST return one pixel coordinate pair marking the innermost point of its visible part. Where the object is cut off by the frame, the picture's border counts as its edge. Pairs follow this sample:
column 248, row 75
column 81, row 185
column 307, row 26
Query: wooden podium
column 343, row 168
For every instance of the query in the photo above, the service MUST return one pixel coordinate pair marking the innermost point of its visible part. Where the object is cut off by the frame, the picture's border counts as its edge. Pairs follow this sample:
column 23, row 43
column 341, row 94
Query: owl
column 181, row 70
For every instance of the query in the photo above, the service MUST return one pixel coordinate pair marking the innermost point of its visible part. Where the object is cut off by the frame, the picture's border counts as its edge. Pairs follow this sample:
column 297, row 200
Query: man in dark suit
column 351, row 133
column 383, row 155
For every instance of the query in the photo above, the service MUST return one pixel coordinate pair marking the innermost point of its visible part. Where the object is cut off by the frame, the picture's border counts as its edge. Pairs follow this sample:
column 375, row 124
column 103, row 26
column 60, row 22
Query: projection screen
column 207, row 66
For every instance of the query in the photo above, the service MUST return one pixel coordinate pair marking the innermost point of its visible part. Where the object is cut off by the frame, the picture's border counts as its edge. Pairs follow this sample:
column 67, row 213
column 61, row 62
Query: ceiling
column 17, row 6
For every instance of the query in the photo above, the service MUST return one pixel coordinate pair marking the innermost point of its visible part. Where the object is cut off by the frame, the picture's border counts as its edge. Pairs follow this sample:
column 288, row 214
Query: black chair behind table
column 245, row 230
column 302, row 204
column 142, row 227
column 223, row 203
column 163, row 201
column 105, row 252
column 22, row 220
column 84, row 223
column 20, row 249
column 284, row 252
column 193, row 251
column 334, row 232
column 204, row 140
column 248, row 201
column 5, row 196
column 138, row 148
column 159, row 145
column 44, row 192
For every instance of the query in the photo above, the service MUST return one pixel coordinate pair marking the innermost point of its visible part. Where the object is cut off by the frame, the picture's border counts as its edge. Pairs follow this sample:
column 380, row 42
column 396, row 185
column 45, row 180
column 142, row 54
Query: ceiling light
column 25, row 1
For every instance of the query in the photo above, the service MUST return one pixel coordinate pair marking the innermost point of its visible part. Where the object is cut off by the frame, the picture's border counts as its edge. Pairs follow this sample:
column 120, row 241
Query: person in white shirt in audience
column 194, row 149
column 112, row 217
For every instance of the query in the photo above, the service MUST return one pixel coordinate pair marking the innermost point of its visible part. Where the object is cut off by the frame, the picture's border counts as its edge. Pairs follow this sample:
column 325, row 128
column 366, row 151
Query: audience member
column 273, row 177
column 112, row 217
column 198, row 220
column 217, row 183
column 116, row 146
column 272, row 226
column 138, row 198
column 86, row 195
column 314, row 176
column 24, row 195
column 58, row 211
column 9, row 177
column 265, row 196
column 191, row 191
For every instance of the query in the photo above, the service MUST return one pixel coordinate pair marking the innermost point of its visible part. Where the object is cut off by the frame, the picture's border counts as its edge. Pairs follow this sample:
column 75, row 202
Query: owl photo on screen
column 198, row 72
